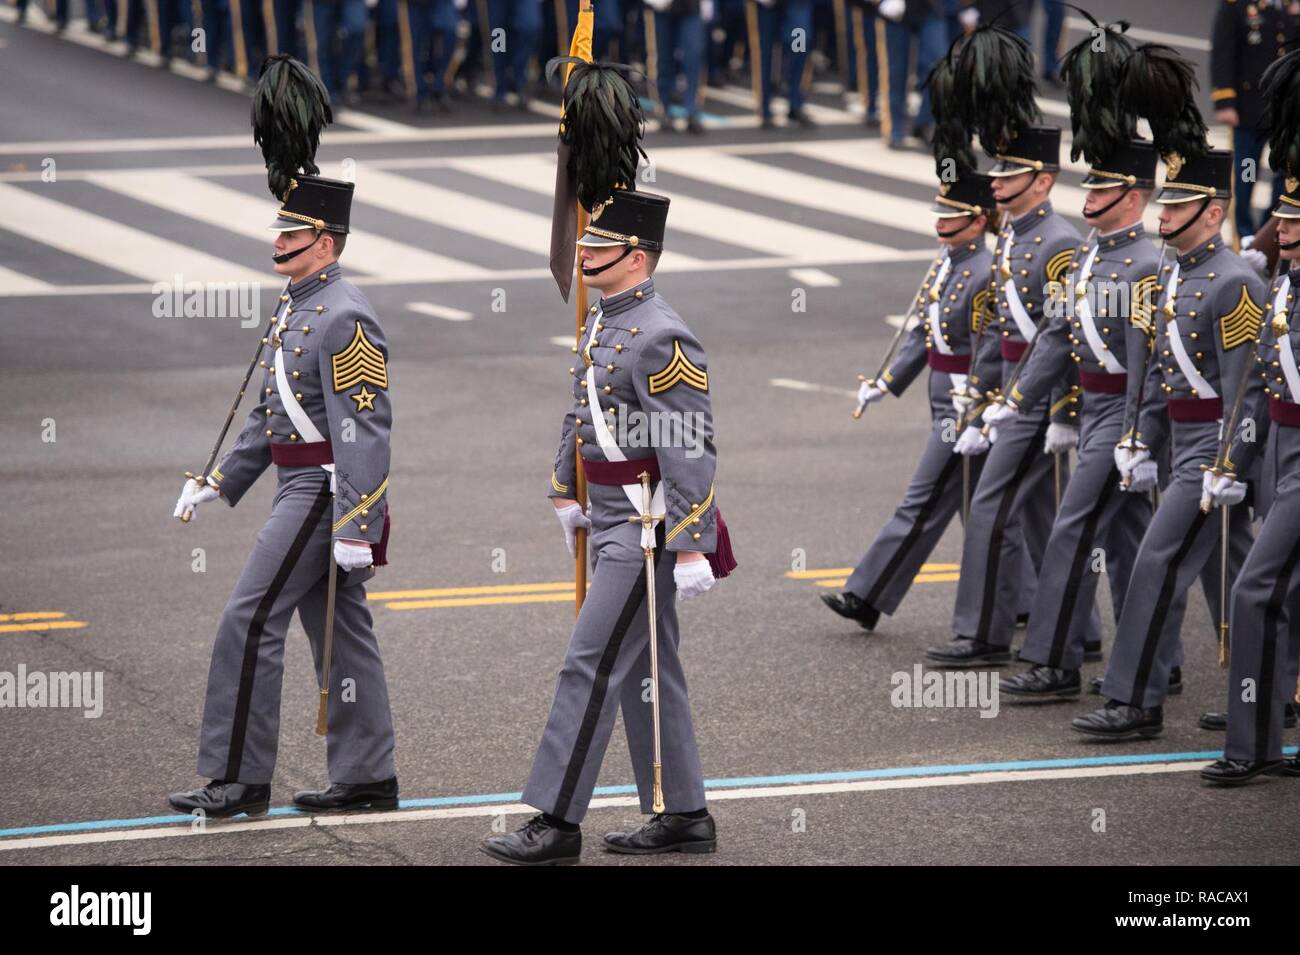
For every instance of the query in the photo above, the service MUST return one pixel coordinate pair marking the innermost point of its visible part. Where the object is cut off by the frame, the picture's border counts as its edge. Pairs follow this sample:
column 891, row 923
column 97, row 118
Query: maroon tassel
column 722, row 561
column 380, row 550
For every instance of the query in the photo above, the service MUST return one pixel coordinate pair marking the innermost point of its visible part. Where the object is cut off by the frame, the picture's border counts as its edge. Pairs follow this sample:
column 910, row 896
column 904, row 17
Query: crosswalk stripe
column 698, row 217
column 856, row 202
column 455, row 210
column 16, row 283
column 117, row 246
column 240, row 212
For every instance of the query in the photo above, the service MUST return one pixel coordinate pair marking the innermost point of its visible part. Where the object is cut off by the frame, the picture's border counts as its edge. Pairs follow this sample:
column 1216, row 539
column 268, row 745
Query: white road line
column 359, row 119
column 451, row 209
column 244, row 214
column 440, row 311
column 795, row 385
column 696, row 216
column 815, row 278
column 216, row 828
column 856, row 202
column 1200, row 44
column 15, row 283
column 97, row 239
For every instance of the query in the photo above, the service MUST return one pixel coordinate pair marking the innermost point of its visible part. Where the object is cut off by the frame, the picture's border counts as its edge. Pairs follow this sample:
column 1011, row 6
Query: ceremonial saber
column 1056, row 468
column 898, row 336
column 647, row 520
column 239, row 396
column 322, row 724
column 1127, row 482
column 1223, row 589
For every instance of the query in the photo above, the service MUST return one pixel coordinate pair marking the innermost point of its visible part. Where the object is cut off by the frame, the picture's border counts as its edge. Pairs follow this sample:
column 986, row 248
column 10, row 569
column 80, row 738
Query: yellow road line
column 918, row 579
column 472, row 591
column 32, row 615
column 481, row 601
column 845, row 571
column 47, row 625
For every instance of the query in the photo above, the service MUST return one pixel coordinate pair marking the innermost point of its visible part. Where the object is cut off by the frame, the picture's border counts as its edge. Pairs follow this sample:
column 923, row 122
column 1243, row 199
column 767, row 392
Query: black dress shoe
column 1218, row 722
column 1175, row 683
column 1121, row 721
column 1092, row 652
column 1234, row 772
column 1290, row 766
column 853, row 607
column 1041, row 683
column 220, row 799
column 666, row 832
column 801, row 117
column 967, row 652
column 694, row 126
column 341, row 797
column 536, row 842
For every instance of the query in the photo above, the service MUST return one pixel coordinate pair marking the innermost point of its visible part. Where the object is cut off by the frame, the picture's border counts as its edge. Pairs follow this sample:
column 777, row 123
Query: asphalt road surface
column 789, row 251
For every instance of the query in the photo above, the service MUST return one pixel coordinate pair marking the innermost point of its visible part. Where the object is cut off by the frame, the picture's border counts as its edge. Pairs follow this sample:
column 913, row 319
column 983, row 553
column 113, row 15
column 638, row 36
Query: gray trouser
column 288, row 570
column 1181, row 543
column 1263, row 600
column 1094, row 513
column 607, row 666
column 1015, row 490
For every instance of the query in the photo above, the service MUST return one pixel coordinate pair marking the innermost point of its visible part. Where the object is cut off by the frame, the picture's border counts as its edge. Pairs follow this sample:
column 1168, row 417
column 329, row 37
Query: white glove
column 1144, row 477
column 892, row 9
column 692, row 578
column 970, row 442
column 460, row 4
column 1221, row 490
column 999, row 411
column 571, row 518
column 1060, row 438
column 706, row 11
column 970, row 18
column 350, row 555
column 192, row 495
column 1257, row 260
column 870, row 391
column 1128, row 458
column 659, row 6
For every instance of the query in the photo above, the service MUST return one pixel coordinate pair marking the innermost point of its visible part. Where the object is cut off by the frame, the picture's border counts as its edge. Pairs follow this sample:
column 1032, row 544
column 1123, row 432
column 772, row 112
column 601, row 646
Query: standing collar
column 965, row 251
column 1122, row 237
column 307, row 287
column 1030, row 219
column 628, row 298
column 1202, row 253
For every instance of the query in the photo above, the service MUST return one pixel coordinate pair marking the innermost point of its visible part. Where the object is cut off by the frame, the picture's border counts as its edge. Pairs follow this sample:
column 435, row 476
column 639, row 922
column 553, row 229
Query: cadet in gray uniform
column 1016, row 484
column 641, row 404
column 953, row 310
column 323, row 420
column 1104, row 331
column 1211, row 308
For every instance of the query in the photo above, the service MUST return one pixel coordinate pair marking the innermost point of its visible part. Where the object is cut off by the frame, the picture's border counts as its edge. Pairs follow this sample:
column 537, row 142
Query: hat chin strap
column 627, row 250
column 948, row 235
column 1105, row 209
column 1006, row 199
column 1205, row 204
column 1288, row 246
column 284, row 257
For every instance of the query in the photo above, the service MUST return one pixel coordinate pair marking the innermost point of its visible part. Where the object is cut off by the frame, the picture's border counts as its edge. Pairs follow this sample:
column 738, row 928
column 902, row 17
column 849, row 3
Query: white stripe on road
column 715, row 795
column 244, row 214
column 109, row 243
column 1200, row 44
column 15, row 283
column 815, row 278
column 440, row 311
column 795, row 385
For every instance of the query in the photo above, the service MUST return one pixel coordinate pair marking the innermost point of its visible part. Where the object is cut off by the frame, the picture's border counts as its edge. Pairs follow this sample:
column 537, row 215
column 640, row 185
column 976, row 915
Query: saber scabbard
column 647, row 522
column 322, row 722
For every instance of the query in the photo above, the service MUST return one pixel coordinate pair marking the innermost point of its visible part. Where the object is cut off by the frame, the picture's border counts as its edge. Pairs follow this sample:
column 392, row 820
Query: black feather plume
column 1159, row 84
column 952, row 135
column 1281, row 86
column 290, row 109
column 994, row 88
column 603, row 125
column 1100, row 120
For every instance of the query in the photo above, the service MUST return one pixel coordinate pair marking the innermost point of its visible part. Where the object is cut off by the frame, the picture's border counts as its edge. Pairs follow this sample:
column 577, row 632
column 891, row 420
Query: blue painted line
column 679, row 112
column 736, row 782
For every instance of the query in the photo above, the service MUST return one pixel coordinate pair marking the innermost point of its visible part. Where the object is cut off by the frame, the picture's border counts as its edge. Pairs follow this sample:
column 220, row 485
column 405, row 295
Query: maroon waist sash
column 302, row 455
column 721, row 561
column 1012, row 349
column 1195, row 409
column 948, row 364
column 1284, row 412
column 1103, row 383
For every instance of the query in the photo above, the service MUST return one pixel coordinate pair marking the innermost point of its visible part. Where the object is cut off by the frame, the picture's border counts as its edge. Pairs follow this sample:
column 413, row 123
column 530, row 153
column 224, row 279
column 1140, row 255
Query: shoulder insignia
column 361, row 362
column 1242, row 323
column 980, row 312
column 1142, row 307
column 1057, row 264
column 678, row 369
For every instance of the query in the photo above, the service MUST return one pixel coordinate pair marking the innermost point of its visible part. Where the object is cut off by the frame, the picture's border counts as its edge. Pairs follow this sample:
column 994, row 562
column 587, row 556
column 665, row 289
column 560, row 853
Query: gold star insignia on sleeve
column 365, row 399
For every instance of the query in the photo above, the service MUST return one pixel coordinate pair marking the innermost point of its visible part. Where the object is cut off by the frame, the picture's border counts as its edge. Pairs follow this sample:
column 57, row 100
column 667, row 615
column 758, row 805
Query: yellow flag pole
column 580, row 318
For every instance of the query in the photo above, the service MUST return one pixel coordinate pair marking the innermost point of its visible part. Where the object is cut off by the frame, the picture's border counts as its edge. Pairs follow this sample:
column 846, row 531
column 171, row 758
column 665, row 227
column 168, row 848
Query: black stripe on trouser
column 1081, row 554
column 914, row 532
column 1158, row 615
column 599, row 688
column 255, row 626
column 999, row 526
column 1264, row 695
